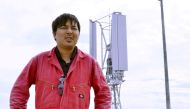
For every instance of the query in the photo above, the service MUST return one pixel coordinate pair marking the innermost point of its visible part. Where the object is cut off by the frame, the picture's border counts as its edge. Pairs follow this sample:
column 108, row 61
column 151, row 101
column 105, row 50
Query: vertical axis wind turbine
column 113, row 51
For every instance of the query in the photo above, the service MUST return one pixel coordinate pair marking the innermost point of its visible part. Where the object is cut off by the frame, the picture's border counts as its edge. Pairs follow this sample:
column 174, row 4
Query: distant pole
column 165, row 59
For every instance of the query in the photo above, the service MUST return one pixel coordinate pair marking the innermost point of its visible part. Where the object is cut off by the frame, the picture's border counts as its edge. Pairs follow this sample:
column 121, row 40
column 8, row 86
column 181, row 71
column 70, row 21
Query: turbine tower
column 113, row 50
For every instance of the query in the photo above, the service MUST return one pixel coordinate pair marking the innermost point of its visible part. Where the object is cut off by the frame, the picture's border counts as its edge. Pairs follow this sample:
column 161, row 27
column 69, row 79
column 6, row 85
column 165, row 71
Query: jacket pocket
column 80, row 95
column 47, row 95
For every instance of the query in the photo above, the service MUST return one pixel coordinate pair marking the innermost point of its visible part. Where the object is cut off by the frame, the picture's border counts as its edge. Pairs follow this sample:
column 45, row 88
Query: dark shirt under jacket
column 65, row 66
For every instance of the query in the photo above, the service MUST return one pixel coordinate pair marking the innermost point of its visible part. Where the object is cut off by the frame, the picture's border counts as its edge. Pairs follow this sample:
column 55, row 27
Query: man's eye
column 62, row 27
column 74, row 28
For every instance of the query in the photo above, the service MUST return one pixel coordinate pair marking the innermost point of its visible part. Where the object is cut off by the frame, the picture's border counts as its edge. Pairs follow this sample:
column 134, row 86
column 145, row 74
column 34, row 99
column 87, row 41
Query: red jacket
column 44, row 71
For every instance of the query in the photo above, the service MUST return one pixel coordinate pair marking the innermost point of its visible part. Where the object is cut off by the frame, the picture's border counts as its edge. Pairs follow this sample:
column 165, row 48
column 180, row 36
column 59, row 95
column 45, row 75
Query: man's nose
column 69, row 30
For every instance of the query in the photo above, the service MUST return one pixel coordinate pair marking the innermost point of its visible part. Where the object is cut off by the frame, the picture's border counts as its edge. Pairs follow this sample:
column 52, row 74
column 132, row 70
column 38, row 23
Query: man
column 62, row 76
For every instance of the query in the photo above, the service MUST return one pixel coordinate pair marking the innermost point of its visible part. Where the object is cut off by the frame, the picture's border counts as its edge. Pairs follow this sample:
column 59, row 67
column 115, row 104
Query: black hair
column 62, row 20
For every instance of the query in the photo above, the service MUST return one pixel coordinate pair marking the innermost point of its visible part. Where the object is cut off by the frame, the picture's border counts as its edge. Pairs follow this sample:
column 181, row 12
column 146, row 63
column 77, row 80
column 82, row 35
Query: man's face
column 67, row 35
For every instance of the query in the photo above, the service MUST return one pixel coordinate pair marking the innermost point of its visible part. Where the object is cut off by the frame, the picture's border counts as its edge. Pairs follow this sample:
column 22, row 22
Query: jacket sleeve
column 20, row 91
column 101, row 89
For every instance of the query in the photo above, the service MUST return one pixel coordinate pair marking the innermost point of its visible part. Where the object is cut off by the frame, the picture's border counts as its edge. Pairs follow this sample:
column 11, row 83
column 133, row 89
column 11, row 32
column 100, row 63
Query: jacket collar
column 53, row 59
column 80, row 54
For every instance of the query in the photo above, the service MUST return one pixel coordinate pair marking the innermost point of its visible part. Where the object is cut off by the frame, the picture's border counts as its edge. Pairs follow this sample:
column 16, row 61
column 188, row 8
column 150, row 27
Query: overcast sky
column 25, row 30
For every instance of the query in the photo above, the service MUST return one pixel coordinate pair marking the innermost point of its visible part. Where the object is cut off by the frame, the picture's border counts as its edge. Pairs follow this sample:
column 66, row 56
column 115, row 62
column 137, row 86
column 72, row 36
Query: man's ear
column 54, row 36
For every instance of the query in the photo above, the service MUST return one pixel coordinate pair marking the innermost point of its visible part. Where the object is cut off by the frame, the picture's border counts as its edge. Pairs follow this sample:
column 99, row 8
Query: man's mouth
column 68, row 39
